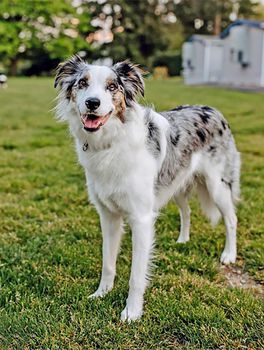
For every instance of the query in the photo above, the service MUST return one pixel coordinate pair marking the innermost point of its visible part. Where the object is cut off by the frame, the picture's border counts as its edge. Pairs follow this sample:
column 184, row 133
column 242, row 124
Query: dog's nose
column 92, row 103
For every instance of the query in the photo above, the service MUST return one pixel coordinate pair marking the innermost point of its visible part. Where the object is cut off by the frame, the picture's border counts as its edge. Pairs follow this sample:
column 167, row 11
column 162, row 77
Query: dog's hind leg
column 181, row 200
column 220, row 192
column 112, row 228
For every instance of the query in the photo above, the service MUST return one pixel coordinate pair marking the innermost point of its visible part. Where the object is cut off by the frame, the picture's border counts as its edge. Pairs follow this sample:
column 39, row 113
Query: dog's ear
column 67, row 70
column 131, row 78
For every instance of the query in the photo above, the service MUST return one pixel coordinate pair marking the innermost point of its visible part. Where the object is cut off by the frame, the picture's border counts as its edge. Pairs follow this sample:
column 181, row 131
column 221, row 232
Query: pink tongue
column 92, row 123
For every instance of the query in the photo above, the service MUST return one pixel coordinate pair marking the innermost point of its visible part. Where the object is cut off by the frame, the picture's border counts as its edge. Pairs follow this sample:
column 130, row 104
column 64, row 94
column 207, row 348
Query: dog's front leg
column 112, row 228
column 142, row 241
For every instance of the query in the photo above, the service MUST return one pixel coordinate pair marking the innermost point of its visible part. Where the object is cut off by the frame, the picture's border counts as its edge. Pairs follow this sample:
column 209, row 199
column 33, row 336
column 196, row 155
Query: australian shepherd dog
column 136, row 159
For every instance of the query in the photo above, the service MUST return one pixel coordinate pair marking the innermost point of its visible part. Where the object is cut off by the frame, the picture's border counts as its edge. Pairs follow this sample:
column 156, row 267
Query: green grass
column 50, row 242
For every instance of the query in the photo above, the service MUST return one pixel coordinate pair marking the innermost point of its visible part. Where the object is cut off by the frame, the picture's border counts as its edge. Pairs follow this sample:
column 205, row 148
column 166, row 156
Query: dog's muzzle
column 93, row 122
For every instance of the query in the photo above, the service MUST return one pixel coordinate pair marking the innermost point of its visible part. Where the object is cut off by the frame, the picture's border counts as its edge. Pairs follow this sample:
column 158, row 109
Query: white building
column 235, row 58
column 202, row 59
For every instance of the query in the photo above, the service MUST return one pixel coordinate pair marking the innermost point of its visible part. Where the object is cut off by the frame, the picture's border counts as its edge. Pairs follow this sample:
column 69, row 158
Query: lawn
column 50, row 241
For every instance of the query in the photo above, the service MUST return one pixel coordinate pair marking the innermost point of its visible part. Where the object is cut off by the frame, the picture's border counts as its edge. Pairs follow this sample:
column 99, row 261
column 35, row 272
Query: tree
column 139, row 28
column 203, row 16
column 247, row 8
column 31, row 29
column 211, row 16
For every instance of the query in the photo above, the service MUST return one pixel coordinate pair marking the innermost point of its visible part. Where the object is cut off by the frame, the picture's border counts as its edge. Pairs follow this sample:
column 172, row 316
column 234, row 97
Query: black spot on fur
column 69, row 89
column 175, row 139
column 201, row 134
column 152, row 129
column 220, row 131
column 195, row 124
column 154, row 135
column 208, row 109
column 223, row 124
column 119, row 81
column 157, row 146
column 179, row 108
column 205, row 117
column 212, row 148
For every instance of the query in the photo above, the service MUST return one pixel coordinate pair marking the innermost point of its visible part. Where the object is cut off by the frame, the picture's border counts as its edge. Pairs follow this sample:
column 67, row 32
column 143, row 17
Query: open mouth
column 93, row 122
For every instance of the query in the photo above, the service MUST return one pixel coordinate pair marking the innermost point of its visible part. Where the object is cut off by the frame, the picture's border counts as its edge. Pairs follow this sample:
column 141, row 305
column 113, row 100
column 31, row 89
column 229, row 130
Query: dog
column 136, row 160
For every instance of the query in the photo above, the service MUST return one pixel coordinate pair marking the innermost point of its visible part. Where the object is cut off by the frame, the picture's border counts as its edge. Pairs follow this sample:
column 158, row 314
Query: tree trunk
column 13, row 67
column 217, row 24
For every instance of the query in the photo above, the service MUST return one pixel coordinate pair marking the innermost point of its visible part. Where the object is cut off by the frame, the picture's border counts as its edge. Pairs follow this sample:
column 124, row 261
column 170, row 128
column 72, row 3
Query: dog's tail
column 207, row 204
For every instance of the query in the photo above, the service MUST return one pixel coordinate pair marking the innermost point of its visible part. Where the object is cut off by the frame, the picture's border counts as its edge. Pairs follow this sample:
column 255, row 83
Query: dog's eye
column 112, row 87
column 82, row 83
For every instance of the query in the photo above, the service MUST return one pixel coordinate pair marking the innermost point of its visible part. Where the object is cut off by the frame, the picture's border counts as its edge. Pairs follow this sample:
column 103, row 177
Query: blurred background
column 37, row 35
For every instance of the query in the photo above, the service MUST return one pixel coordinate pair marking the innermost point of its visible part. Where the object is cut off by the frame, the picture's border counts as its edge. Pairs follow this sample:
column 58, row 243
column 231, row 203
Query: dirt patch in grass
column 235, row 276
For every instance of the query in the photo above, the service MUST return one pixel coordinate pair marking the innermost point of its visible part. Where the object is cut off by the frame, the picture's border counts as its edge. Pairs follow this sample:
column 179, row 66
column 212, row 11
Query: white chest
column 119, row 176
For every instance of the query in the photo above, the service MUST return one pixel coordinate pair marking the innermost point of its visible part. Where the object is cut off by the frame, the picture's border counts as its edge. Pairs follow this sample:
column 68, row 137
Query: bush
column 171, row 60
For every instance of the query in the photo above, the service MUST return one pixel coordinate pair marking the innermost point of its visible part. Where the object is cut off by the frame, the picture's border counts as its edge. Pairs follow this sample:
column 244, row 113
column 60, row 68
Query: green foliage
column 139, row 29
column 207, row 11
column 50, row 242
column 247, row 8
column 171, row 60
column 31, row 29
column 190, row 11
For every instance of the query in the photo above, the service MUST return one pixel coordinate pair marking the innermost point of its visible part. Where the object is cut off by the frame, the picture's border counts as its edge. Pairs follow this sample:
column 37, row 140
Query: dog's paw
column 101, row 292
column 97, row 294
column 128, row 314
column 228, row 258
column 182, row 239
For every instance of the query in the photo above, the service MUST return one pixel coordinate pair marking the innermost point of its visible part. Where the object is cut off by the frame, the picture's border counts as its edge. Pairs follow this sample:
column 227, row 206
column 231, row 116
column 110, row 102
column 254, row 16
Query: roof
column 242, row 22
column 202, row 38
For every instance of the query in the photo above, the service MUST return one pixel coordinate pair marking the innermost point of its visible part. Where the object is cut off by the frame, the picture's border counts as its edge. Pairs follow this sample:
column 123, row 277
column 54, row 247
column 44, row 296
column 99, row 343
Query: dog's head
column 98, row 93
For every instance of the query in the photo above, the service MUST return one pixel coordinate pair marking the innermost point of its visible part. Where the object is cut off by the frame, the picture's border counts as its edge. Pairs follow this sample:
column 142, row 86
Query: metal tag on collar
column 85, row 146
